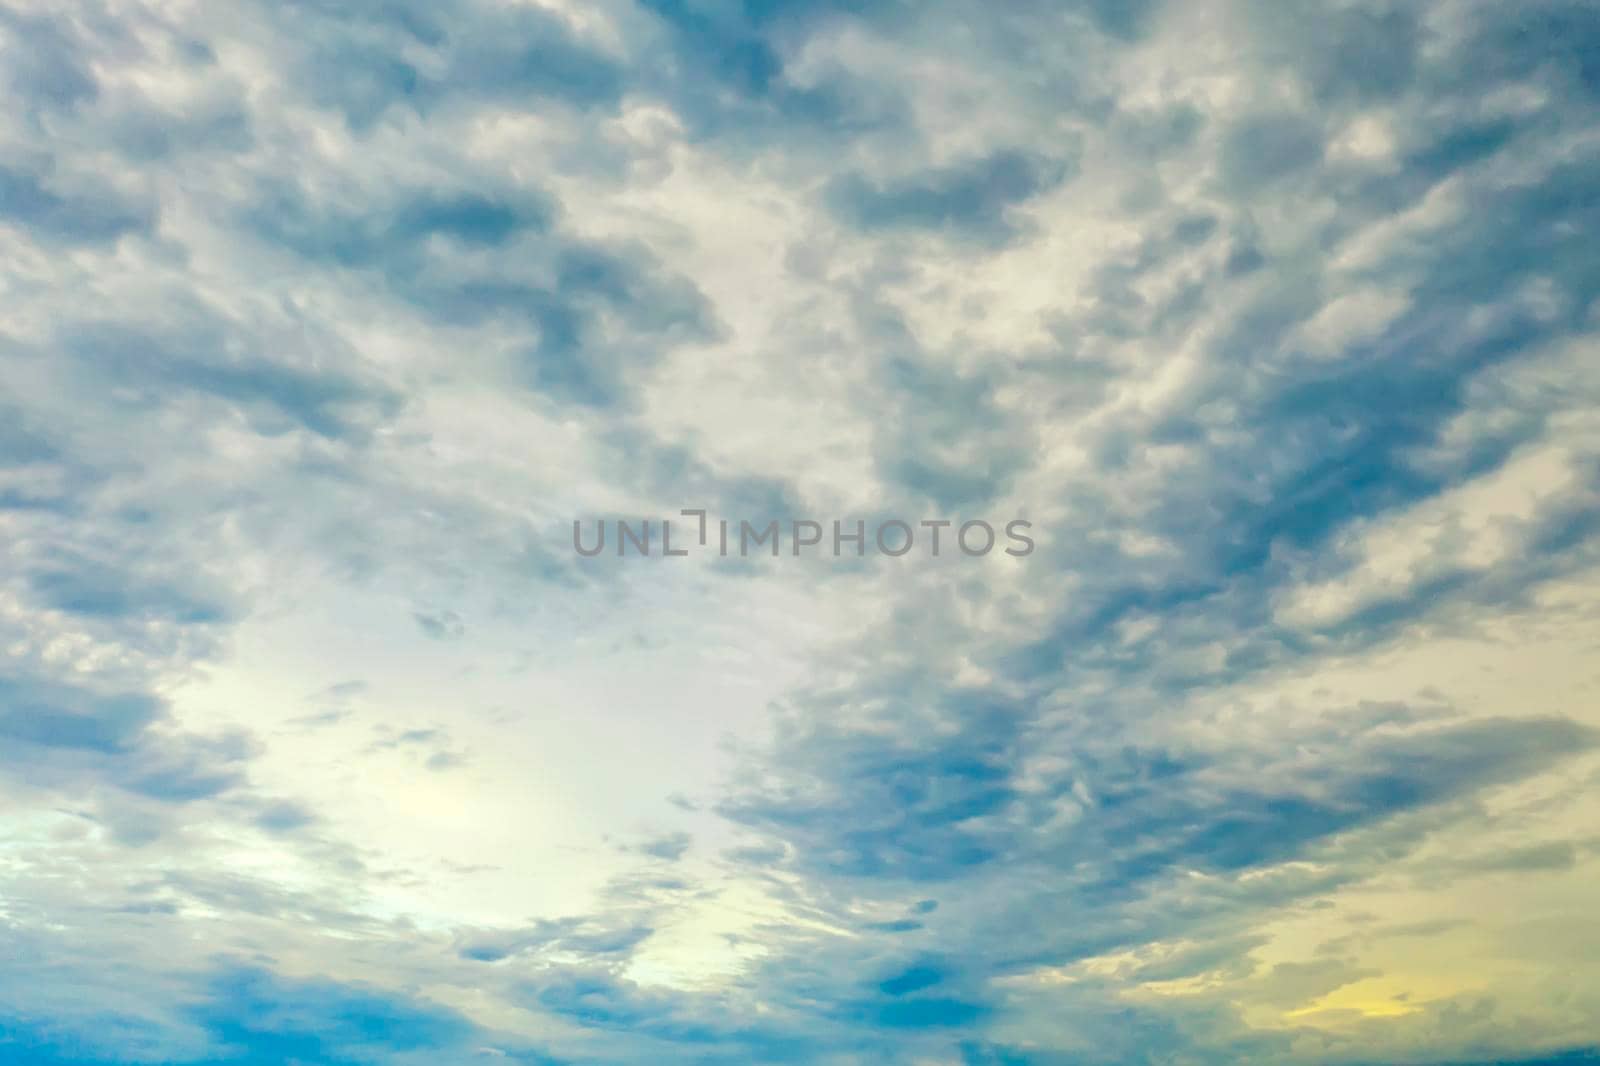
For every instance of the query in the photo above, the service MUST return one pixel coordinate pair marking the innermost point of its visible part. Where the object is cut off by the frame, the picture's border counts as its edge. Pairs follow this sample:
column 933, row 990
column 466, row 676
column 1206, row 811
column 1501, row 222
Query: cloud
column 669, row 848
column 969, row 198
column 252, row 1016
column 1277, row 321
column 65, row 737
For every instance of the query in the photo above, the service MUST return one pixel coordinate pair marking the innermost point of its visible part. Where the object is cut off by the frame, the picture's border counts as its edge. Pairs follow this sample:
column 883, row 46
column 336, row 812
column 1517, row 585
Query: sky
column 322, row 323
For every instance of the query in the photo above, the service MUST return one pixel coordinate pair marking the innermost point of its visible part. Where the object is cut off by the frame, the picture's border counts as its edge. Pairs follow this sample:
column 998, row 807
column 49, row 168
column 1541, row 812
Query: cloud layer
column 323, row 322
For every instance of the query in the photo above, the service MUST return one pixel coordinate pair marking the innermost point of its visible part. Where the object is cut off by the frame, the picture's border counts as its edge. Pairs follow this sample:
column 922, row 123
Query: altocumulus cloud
column 323, row 321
